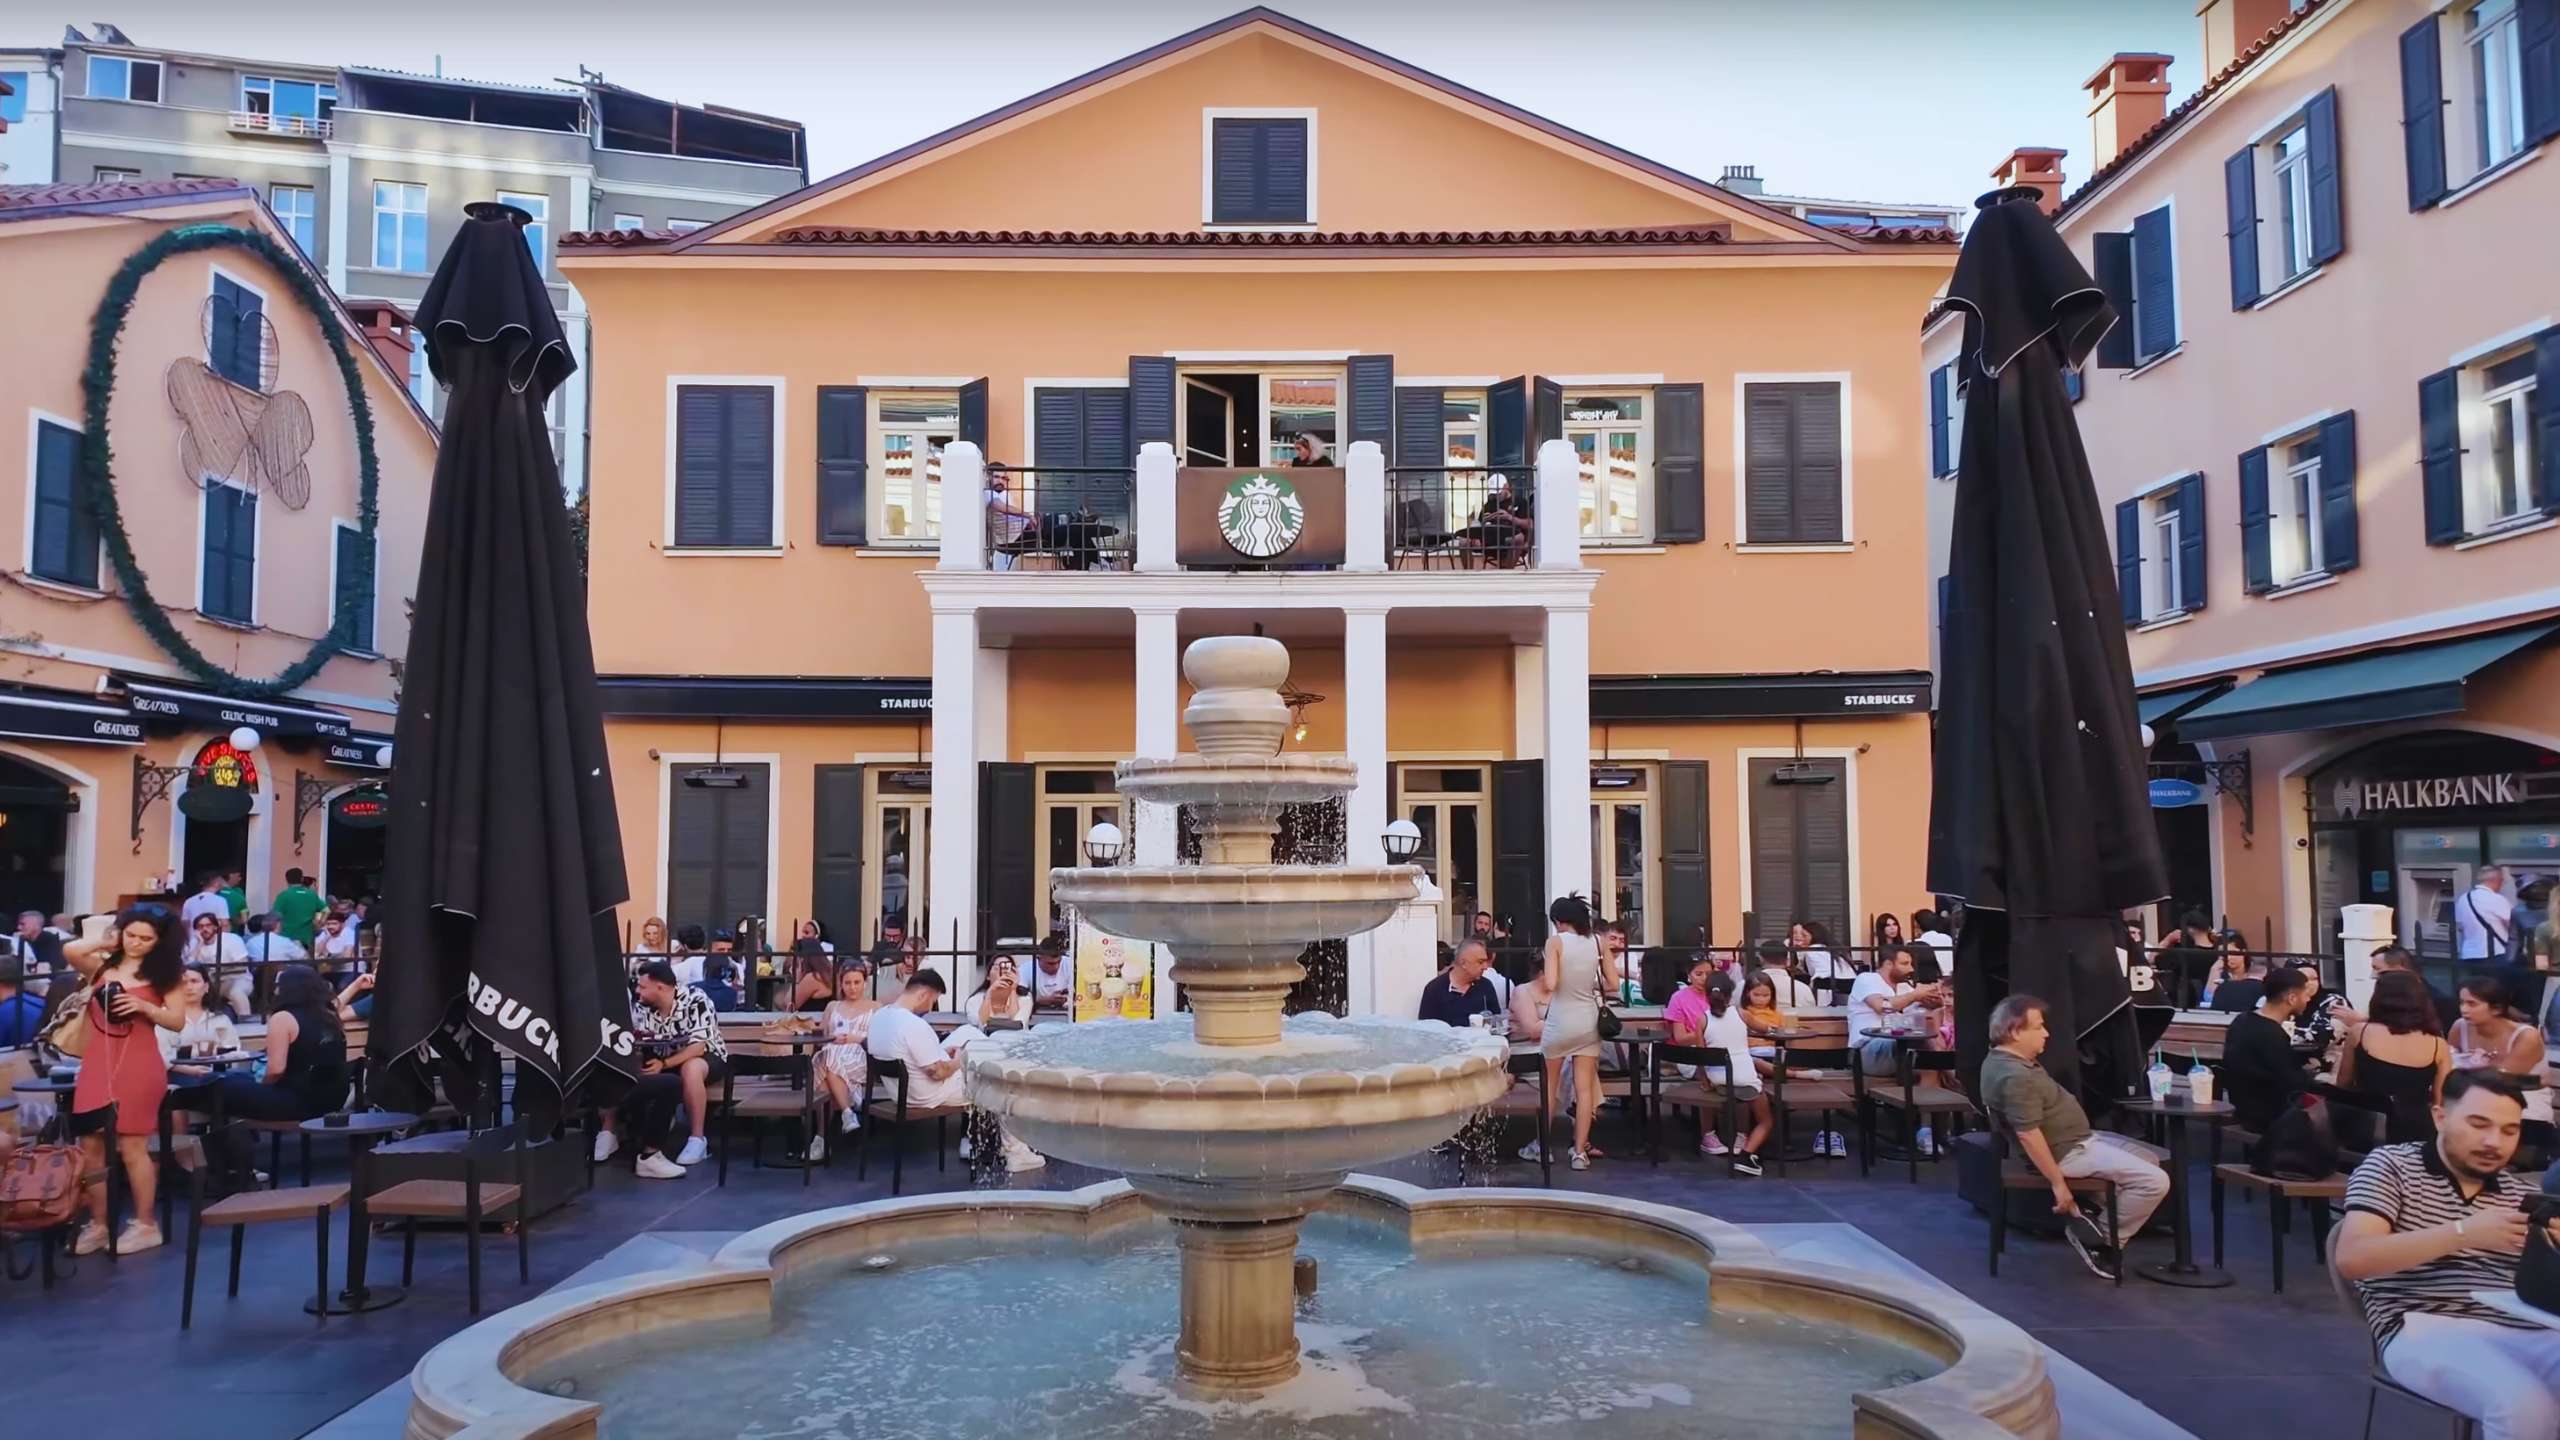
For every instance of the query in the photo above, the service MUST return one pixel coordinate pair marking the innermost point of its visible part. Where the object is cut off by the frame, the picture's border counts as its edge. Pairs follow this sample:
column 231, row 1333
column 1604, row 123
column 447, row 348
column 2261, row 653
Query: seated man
column 1887, row 990
column 2430, row 1222
column 2054, row 1133
column 682, row 1052
column 2261, row 1074
column 935, row 1076
column 1457, row 995
column 21, row 1014
column 1053, row 984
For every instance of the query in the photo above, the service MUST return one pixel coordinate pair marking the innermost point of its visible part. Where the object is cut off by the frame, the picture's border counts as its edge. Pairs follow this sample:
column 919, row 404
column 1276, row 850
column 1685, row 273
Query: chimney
column 2127, row 96
column 1740, row 179
column 388, row 329
column 2231, row 26
column 2038, row 166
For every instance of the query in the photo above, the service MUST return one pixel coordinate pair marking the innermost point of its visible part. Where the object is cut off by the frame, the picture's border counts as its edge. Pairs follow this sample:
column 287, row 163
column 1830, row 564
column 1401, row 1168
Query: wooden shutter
column 844, row 465
column 1818, row 472
column 1149, row 399
column 973, row 414
column 2155, row 279
column 66, row 535
column 230, row 554
column 353, row 626
column 1420, row 454
column 1506, row 417
column 1823, row 835
column 1546, row 415
column 1520, row 848
column 1258, row 171
column 2240, row 202
column 724, row 466
column 1008, row 824
column 2340, row 545
column 2440, row 454
column 222, row 340
column 1679, row 464
column 1768, row 491
column 1941, row 384
column 2538, row 63
column 1686, row 885
column 1774, row 849
column 2422, row 112
column 2129, row 560
column 716, row 843
column 2328, row 198
column 1370, row 415
column 1057, row 426
column 2546, row 424
column 745, row 821
column 1800, row 843
column 2191, row 589
column 2111, row 256
column 2257, row 549
column 835, row 849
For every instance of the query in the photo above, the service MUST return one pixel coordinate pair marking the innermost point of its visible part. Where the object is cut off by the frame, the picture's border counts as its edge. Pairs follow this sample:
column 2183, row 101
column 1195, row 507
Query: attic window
column 1259, row 167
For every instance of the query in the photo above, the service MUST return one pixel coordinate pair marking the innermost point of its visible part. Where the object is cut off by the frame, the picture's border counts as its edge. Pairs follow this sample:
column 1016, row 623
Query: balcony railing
column 300, row 127
column 1059, row 518
column 1457, row 517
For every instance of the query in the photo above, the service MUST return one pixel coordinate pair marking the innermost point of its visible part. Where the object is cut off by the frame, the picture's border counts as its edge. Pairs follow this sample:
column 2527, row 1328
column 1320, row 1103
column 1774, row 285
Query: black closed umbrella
column 505, row 859
column 2038, row 817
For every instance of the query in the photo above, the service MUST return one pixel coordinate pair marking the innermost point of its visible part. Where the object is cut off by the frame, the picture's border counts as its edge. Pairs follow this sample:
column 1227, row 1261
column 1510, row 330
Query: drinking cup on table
column 2200, row 1085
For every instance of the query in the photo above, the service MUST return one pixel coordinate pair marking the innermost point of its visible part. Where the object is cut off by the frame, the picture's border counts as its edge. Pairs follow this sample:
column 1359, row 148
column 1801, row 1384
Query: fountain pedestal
column 1239, row 1302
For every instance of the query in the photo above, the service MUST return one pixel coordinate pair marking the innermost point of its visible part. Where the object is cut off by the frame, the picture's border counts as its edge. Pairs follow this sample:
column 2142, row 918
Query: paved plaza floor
column 2231, row 1362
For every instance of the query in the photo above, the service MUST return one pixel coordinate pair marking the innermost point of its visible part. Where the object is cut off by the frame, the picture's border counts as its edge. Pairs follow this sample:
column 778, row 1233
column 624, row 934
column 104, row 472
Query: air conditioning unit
column 717, row 777
column 1802, row 772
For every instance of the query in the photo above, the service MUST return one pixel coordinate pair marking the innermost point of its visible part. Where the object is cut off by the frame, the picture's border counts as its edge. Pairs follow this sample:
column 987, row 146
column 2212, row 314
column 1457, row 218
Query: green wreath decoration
column 97, row 461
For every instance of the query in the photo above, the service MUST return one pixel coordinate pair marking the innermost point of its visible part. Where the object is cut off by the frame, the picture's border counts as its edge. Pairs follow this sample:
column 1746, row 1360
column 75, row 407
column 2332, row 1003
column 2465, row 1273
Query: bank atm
column 2436, row 867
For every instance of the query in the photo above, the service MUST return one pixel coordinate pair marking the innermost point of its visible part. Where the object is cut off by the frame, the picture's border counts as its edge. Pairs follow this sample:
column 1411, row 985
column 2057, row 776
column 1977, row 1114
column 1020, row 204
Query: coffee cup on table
column 2200, row 1085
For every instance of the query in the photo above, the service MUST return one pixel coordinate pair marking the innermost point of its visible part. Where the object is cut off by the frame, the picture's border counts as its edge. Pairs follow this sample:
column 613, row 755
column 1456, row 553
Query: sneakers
column 694, row 1152
column 2088, row 1242
column 1533, row 1152
column 1019, row 1157
column 1580, row 1161
column 1747, row 1163
column 966, row 1149
column 1713, row 1145
column 1839, row 1143
column 606, row 1144
column 93, row 1238
column 138, row 1235
column 654, row 1166
column 849, row 1121
column 1926, row 1141
column 817, row 1149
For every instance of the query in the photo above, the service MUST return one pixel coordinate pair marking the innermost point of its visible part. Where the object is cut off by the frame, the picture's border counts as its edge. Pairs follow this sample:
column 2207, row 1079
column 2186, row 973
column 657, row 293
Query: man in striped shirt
column 2429, row 1223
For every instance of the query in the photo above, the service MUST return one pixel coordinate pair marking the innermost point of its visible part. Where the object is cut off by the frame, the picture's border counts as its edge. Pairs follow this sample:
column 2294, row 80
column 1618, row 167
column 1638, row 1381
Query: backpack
column 2301, row 1143
column 39, row 1188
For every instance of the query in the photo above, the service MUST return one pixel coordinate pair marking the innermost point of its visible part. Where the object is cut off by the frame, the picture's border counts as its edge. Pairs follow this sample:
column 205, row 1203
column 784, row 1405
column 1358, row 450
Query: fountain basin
column 1268, row 781
column 1203, row 911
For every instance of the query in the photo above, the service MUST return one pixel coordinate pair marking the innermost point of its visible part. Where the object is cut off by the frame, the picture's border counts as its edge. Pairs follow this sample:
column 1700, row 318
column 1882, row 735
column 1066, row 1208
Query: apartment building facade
column 2325, row 430
column 368, row 169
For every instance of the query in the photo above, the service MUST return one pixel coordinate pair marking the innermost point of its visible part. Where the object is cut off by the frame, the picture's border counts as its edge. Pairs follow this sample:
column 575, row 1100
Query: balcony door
column 1245, row 416
column 901, row 833
column 1073, row 799
column 1447, row 804
column 1624, row 847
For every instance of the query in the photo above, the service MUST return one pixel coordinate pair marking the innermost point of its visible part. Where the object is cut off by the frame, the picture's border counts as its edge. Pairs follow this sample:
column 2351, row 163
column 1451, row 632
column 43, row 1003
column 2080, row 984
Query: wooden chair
column 469, row 1200
column 780, row 1089
column 256, row 1207
column 2381, row 1383
column 898, row 1113
column 1807, row 1095
column 2017, row 1174
column 2281, row 1193
column 275, row 1131
column 1917, row 1104
column 1671, row 1090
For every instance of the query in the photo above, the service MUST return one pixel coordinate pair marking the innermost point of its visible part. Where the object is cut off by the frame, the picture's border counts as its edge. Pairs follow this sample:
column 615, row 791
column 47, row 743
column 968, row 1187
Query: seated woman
column 2327, row 1015
column 1718, row 1025
column 204, row 1030
column 1000, row 996
column 2493, row 1033
column 844, row 1064
column 813, row 985
column 2394, row 1068
column 306, row 1070
column 219, row 952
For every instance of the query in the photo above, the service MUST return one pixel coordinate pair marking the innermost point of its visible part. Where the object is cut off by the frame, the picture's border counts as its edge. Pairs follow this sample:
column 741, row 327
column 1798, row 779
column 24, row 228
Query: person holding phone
column 1000, row 996
column 132, row 963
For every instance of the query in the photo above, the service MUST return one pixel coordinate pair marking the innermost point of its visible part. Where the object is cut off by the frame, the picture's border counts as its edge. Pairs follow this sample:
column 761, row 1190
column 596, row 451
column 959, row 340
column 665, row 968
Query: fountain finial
column 1236, row 712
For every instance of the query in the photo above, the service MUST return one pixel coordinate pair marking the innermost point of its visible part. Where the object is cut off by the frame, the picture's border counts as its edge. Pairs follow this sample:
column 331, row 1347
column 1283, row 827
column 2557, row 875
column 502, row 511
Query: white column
column 1568, row 768
column 573, row 407
column 1559, row 507
column 1364, row 503
column 992, row 697
column 1528, row 702
column 1364, row 719
column 953, row 893
column 1159, row 690
column 1154, row 508
column 964, row 509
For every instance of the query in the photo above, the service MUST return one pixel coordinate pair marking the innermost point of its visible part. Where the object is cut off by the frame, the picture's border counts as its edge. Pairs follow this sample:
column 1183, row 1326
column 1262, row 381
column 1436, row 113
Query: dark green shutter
column 1941, row 385
column 1421, row 452
column 1679, row 464
column 230, row 554
column 973, row 414
column 716, row 848
column 2328, row 199
column 1546, row 414
column 2440, row 453
column 2240, row 203
column 2129, row 560
column 1008, row 815
column 236, row 342
column 2191, row 590
column 1520, row 848
column 353, row 627
column 2155, row 280
column 844, row 465
column 2546, row 420
column 1258, row 171
column 66, row 535
column 1506, row 416
column 1685, row 881
column 2340, row 545
column 1768, row 490
column 1799, row 843
column 1150, row 402
column 1371, row 379
column 2257, row 549
column 835, row 850
column 2538, row 62
column 2422, row 112
column 724, row 465
column 2111, row 258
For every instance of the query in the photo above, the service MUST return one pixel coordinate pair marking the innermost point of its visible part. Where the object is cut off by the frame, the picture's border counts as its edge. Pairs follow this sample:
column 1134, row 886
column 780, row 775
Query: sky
column 1890, row 100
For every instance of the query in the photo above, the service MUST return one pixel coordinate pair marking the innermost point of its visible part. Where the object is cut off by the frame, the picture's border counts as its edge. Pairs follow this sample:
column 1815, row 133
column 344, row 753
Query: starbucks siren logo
column 1261, row 516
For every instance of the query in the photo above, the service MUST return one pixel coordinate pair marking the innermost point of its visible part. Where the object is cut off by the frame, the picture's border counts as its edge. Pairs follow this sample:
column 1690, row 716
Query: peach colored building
column 906, row 488
column 240, row 518
column 2324, row 427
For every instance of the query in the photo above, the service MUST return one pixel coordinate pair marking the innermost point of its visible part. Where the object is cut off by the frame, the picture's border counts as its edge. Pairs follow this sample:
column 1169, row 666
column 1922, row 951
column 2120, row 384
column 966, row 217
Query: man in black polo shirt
column 2429, row 1223
column 1455, row 996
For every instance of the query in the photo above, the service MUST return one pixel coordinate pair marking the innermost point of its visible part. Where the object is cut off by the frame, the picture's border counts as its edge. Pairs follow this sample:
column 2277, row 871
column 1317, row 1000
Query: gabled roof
column 31, row 202
column 1621, row 240
column 1265, row 16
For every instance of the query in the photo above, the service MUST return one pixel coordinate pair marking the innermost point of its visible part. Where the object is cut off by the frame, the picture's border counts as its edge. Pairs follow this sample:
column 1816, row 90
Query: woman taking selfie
column 1000, row 996
column 133, row 964
column 1576, row 974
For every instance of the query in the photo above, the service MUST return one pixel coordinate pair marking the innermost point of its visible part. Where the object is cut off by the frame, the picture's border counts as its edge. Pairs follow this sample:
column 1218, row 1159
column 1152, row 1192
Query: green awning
column 2406, row 684
column 2162, row 706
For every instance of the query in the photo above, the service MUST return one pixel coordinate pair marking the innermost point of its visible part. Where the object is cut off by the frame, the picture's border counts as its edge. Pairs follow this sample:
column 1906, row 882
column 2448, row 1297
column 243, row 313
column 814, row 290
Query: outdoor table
column 361, row 1131
column 60, row 1091
column 184, row 1088
column 2183, row 1271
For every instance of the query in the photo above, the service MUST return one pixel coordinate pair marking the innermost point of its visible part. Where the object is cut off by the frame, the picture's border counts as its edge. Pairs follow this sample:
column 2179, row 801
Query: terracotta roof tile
column 2179, row 114
column 1668, row 236
column 115, row 193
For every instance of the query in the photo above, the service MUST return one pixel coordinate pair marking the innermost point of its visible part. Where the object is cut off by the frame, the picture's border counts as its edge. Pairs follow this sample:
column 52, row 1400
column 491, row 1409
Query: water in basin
column 1309, row 1044
column 1480, row 1339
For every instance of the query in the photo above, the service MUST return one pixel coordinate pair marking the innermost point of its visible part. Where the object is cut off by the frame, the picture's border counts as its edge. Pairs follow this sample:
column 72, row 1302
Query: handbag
column 39, row 1188
column 1609, row 1024
column 2301, row 1143
column 65, row 1032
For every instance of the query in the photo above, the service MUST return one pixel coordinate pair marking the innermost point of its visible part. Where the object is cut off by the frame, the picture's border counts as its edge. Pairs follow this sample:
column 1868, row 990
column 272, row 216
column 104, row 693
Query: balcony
column 298, row 127
column 1057, row 518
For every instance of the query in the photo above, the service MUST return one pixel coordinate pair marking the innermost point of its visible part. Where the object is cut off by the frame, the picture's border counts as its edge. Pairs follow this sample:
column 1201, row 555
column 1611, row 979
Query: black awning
column 32, row 714
column 276, row 719
column 361, row 751
column 766, row 697
column 1825, row 695
column 2411, row 683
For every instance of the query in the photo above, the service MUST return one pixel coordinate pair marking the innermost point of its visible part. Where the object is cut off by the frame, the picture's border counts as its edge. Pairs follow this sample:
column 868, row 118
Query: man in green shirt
column 235, row 894
column 2055, row 1135
column 299, row 907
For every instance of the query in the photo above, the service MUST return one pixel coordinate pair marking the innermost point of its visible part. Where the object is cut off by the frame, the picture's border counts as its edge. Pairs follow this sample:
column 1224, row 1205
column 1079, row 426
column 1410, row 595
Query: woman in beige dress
column 1576, row 974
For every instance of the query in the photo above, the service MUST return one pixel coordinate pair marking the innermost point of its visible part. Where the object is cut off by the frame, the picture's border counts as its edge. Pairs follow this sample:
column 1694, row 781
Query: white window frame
column 123, row 175
column 2493, row 77
column 685, row 227
column 403, row 215
column 335, row 525
column 310, row 215
column 422, row 379
column 2480, row 511
column 1209, row 118
column 875, row 438
column 2290, row 179
column 321, row 91
column 89, row 86
column 1264, row 435
column 2163, row 576
column 1848, row 540
column 774, row 548
column 1743, row 788
column 625, row 222
column 257, row 554
column 36, row 421
column 2295, row 546
column 537, row 236
column 1600, row 430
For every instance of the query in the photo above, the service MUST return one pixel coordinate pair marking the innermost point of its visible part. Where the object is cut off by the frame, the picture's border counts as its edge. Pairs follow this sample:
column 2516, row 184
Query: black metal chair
column 1673, row 1090
column 255, row 1207
column 1419, row 532
column 470, row 1200
column 790, row 1101
column 898, row 1113
column 2381, row 1383
column 1918, row 1105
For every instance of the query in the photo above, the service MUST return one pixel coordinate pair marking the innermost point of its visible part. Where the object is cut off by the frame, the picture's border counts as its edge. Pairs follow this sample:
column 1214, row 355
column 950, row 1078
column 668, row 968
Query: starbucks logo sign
column 1261, row 515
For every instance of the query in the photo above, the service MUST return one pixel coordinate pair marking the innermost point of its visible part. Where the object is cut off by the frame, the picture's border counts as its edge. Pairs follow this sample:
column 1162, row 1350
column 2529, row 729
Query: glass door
column 1447, row 804
column 1623, row 847
column 896, row 871
column 1300, row 403
column 1072, row 802
column 1208, row 423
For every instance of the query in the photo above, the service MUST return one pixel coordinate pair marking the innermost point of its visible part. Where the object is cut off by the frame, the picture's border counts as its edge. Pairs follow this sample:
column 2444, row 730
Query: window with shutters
column 1258, row 167
column 2285, row 198
column 236, row 332
column 2495, row 71
column 354, row 569
column 725, row 487
column 2155, row 286
column 2163, row 581
column 2291, row 154
column 2293, row 513
column 718, row 843
column 2500, row 477
column 1612, row 439
column 227, row 584
column 1792, row 452
column 909, row 430
column 62, row 541
column 1800, row 843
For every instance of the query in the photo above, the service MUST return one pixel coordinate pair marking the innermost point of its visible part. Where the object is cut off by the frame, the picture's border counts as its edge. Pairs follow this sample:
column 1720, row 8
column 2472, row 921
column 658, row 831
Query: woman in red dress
column 144, row 957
